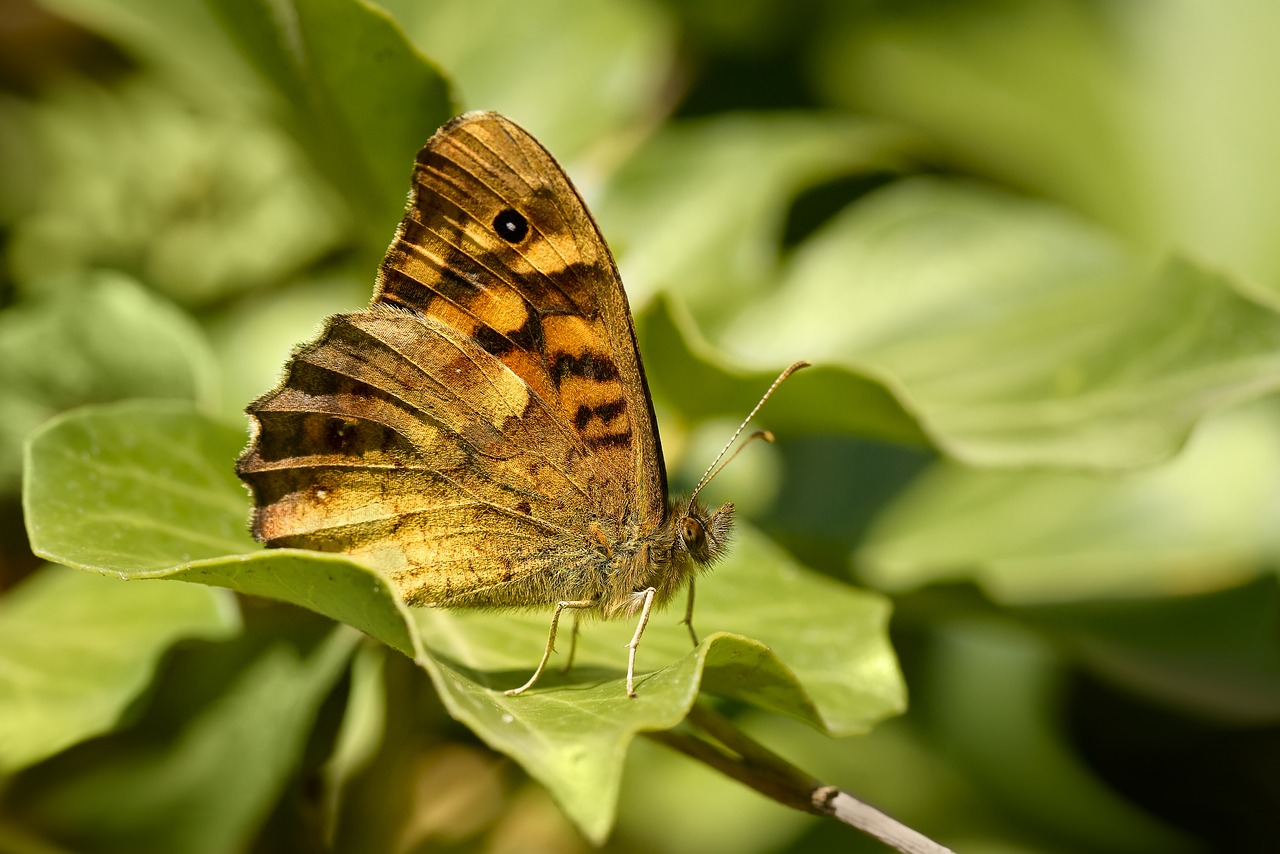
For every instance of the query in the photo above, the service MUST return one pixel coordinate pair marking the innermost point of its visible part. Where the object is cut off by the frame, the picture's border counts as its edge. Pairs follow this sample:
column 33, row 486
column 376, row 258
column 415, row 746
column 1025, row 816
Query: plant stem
column 712, row 739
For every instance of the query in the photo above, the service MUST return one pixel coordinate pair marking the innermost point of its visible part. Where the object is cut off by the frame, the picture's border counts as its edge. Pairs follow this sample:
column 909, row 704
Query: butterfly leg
column 688, row 615
column 635, row 641
column 551, row 643
column 573, row 645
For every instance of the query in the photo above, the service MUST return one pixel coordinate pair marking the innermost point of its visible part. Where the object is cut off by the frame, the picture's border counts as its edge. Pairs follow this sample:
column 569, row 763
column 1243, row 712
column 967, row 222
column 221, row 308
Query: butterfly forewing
column 484, row 429
column 549, row 306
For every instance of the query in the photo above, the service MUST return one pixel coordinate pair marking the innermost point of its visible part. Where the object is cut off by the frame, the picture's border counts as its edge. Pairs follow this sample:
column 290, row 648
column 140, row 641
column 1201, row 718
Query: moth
column 483, row 432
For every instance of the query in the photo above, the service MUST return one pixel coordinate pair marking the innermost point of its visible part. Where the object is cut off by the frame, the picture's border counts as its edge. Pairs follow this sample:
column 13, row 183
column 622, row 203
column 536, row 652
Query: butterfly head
column 704, row 535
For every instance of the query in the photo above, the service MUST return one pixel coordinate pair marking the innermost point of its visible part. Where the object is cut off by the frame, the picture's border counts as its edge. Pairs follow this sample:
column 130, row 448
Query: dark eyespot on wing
column 511, row 225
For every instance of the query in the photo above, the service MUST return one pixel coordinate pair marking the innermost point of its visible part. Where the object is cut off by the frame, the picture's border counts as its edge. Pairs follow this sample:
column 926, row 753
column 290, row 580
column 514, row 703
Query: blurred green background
column 1030, row 245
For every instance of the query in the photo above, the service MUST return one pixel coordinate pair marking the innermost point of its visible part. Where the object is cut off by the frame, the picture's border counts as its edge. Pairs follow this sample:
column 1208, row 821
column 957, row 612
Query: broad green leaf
column 685, row 372
column 587, row 72
column 1035, row 96
column 774, row 636
column 103, row 339
column 1154, row 118
column 358, row 97
column 209, row 790
column 699, row 210
column 329, row 585
column 149, row 492
column 1203, row 521
column 133, row 487
column 1015, row 333
column 198, row 204
column 78, row 648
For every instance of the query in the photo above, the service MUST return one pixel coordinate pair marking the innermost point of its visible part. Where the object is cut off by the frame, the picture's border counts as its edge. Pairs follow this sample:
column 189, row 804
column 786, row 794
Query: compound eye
column 694, row 536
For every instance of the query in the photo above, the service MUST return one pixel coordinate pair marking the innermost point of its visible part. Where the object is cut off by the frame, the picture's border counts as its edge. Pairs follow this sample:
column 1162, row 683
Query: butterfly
column 483, row 432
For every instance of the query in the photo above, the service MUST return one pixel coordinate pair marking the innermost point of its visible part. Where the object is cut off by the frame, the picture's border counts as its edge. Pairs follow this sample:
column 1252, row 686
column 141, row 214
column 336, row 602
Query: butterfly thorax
column 689, row 540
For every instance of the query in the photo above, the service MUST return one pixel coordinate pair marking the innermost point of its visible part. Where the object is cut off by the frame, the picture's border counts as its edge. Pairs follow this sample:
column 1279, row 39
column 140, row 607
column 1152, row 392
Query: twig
column 848, row 809
column 712, row 739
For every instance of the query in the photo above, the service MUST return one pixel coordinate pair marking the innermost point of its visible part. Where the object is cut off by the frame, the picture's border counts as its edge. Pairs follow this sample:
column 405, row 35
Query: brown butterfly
column 483, row 432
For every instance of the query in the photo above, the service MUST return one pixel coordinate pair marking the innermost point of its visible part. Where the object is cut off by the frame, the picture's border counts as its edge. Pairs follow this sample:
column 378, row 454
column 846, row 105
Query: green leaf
column 1202, row 521
column 105, row 339
column 78, row 648
column 210, row 788
column 816, row 651
column 329, row 585
column 360, row 100
column 1028, row 338
column 1155, row 119
column 685, row 372
column 1033, row 97
column 148, row 491
column 363, row 732
column 610, row 71
column 699, row 209
column 134, row 487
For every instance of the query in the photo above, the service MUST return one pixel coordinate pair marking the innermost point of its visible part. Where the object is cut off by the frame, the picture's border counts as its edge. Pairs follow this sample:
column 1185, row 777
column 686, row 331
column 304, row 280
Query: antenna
column 712, row 470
